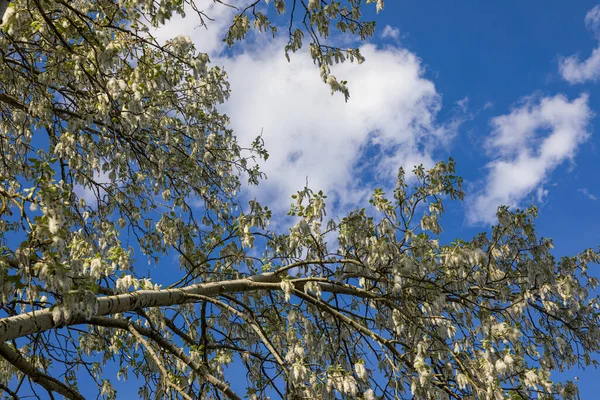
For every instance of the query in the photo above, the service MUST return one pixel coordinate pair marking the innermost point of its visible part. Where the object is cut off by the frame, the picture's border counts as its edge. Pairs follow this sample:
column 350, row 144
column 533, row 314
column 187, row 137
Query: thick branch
column 41, row 321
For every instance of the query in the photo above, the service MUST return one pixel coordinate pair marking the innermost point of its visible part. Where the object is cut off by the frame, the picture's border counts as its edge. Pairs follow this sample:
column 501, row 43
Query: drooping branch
column 12, row 394
column 169, row 347
column 158, row 362
column 249, row 320
column 367, row 332
column 49, row 383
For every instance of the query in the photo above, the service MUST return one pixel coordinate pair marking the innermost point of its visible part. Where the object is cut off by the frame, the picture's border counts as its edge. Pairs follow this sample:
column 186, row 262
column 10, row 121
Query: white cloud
column 390, row 32
column 575, row 71
column 531, row 142
column 389, row 121
column 592, row 20
column 587, row 193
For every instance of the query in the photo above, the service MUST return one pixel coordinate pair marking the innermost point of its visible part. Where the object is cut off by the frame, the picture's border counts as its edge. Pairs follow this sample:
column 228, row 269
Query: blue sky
column 496, row 54
column 508, row 89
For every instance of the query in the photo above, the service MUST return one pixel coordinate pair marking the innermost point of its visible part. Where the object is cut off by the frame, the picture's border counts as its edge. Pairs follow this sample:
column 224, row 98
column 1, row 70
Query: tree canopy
column 374, row 305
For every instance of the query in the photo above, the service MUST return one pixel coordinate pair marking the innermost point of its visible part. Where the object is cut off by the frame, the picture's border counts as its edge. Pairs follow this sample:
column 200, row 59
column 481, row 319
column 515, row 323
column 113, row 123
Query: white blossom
column 361, row 371
column 286, row 286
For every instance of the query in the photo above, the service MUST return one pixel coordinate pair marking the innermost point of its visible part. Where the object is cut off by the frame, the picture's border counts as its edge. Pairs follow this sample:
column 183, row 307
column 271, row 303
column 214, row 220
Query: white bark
column 40, row 321
column 3, row 7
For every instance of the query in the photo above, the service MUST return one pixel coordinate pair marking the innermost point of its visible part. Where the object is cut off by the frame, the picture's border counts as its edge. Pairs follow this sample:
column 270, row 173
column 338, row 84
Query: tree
column 92, row 103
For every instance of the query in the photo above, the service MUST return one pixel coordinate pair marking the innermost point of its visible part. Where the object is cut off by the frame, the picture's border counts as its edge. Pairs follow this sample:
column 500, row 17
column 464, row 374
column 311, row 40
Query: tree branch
column 40, row 321
column 168, row 346
column 51, row 384
column 159, row 364
column 250, row 321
